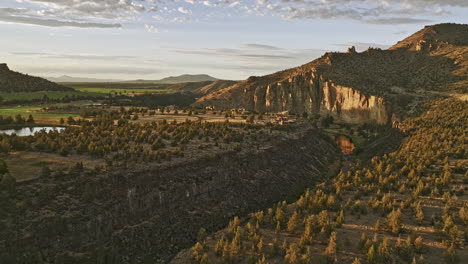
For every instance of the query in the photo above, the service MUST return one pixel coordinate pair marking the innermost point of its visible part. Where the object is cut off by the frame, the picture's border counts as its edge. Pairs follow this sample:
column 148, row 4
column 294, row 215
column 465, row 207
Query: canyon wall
column 306, row 92
column 147, row 214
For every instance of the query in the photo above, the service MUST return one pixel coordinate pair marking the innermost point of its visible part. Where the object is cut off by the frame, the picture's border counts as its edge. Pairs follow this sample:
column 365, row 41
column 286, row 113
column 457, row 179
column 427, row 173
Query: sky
column 227, row 39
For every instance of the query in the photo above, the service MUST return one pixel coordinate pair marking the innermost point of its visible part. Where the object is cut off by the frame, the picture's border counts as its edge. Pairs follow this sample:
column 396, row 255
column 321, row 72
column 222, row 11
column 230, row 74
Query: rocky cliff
column 358, row 87
column 144, row 214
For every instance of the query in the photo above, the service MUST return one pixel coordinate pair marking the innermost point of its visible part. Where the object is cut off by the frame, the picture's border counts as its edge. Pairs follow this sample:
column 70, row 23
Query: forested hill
column 11, row 81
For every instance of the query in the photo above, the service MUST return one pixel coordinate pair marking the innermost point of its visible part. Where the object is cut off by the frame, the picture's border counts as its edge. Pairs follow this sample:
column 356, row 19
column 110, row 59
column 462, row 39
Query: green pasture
column 40, row 95
column 32, row 110
column 103, row 90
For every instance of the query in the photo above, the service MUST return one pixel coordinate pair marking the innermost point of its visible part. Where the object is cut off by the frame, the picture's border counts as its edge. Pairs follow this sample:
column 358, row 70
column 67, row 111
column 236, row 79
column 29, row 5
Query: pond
column 345, row 143
column 29, row 131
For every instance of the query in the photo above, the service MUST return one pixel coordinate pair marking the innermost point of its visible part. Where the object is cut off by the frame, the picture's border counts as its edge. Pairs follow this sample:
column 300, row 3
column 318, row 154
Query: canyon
column 149, row 213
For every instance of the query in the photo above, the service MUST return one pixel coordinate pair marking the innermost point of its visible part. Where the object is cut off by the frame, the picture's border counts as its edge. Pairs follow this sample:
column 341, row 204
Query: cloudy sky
column 231, row 39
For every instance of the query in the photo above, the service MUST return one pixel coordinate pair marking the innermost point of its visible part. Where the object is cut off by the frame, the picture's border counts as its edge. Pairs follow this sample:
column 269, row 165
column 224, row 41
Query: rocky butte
column 371, row 86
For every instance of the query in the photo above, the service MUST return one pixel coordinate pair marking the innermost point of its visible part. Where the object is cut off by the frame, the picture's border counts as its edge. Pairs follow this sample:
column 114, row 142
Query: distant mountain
column 67, row 79
column 188, row 78
column 11, row 81
column 185, row 78
column 355, row 87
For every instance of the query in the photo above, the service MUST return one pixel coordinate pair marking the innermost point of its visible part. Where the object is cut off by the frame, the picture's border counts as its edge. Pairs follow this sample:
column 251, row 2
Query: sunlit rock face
column 308, row 92
column 313, row 95
column 356, row 87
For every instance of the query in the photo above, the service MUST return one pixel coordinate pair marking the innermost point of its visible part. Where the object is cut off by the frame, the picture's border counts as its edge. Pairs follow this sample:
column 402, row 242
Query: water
column 29, row 131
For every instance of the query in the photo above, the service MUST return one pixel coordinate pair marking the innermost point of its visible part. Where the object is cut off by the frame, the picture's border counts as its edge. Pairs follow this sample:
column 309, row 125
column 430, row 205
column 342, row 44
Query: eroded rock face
column 313, row 95
column 150, row 213
column 308, row 92
column 352, row 86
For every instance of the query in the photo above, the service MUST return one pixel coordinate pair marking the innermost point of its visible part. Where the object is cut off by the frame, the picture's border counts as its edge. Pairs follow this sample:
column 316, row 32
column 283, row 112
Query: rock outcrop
column 358, row 87
column 140, row 215
column 4, row 67
column 308, row 92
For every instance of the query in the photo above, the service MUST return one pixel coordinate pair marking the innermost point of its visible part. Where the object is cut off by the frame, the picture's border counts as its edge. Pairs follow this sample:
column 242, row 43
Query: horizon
column 225, row 39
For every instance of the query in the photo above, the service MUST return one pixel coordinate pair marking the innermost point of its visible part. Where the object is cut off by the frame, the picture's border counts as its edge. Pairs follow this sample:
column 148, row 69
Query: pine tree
column 197, row 251
column 292, row 223
column 340, row 219
column 292, row 254
column 395, row 219
column 371, row 255
column 330, row 251
column 419, row 214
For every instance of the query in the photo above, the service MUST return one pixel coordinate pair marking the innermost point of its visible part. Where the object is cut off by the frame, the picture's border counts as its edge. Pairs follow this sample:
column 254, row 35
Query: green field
column 103, row 90
column 50, row 94
column 31, row 110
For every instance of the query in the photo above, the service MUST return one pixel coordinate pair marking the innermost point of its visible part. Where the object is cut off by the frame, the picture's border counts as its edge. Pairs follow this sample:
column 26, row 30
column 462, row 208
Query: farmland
column 104, row 90
column 49, row 94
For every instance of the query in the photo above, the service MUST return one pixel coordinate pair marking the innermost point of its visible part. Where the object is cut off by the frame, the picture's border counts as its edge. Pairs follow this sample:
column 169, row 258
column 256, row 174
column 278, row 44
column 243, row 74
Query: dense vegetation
column 113, row 135
column 17, row 120
column 402, row 207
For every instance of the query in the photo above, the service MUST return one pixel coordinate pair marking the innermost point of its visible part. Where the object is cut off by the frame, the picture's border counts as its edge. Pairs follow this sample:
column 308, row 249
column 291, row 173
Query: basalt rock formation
column 11, row 81
column 354, row 87
column 145, row 214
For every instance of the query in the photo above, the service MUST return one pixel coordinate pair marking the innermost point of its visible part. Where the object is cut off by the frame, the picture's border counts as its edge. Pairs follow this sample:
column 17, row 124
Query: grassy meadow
column 35, row 111
column 104, row 90
column 50, row 94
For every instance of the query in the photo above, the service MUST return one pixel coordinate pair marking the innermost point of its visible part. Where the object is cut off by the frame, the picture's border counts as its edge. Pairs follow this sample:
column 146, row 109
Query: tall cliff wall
column 307, row 92
column 145, row 214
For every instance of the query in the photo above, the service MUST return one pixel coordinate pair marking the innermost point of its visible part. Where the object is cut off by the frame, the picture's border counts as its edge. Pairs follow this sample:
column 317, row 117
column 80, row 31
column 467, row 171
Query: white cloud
column 208, row 3
column 184, row 10
column 151, row 28
column 111, row 13
column 234, row 4
column 25, row 16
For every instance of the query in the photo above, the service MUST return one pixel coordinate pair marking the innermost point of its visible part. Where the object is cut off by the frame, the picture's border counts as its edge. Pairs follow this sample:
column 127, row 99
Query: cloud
column 184, row 10
column 74, row 13
column 151, row 28
column 208, row 3
column 89, row 69
column 73, row 56
column 24, row 16
column 382, row 12
column 255, row 53
column 261, row 46
column 266, row 56
column 396, row 21
column 93, row 8
column 234, row 4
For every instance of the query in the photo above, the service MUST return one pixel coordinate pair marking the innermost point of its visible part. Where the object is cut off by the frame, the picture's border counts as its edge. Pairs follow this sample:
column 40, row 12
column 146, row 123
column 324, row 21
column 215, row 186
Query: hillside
column 201, row 88
column 153, row 204
column 408, row 206
column 11, row 81
column 357, row 87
